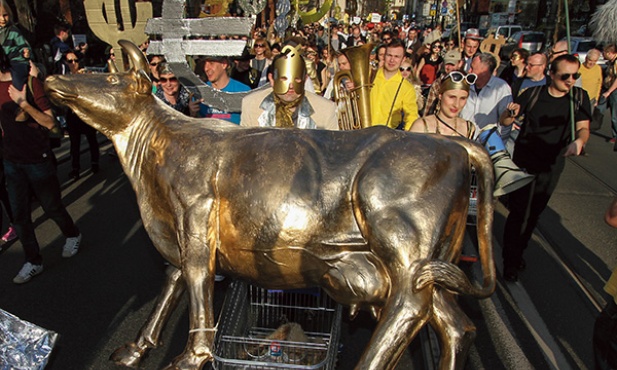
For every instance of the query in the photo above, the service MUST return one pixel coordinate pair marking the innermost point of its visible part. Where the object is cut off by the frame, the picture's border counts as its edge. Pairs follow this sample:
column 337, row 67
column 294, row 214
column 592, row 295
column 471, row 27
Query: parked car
column 530, row 40
column 579, row 46
column 505, row 31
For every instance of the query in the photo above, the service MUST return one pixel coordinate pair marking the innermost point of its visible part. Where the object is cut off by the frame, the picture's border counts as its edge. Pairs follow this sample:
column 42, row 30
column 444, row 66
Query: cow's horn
column 136, row 56
column 112, row 66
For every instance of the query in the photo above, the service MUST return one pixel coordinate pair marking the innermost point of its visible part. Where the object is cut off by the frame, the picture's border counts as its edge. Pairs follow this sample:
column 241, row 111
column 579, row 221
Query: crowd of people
column 418, row 82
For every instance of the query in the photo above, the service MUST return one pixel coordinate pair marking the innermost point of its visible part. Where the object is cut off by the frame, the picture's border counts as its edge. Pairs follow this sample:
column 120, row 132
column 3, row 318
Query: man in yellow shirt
column 393, row 98
column 591, row 76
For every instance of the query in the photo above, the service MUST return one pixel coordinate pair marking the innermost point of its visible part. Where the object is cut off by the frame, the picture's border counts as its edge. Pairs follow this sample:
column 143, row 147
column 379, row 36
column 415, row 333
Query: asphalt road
column 98, row 300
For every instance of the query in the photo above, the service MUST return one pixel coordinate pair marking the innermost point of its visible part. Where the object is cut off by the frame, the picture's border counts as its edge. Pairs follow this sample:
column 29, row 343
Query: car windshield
column 515, row 37
column 584, row 46
column 533, row 37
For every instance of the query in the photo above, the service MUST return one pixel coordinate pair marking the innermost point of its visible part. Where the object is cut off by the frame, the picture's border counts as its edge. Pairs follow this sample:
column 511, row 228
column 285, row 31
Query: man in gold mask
column 286, row 103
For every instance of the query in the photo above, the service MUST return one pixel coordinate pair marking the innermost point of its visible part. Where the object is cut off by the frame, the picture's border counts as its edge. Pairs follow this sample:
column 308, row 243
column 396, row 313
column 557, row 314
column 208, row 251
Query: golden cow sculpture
column 376, row 216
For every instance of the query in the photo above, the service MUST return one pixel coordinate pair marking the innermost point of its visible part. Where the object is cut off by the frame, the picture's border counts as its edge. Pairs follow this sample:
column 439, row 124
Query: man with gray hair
column 489, row 96
column 591, row 76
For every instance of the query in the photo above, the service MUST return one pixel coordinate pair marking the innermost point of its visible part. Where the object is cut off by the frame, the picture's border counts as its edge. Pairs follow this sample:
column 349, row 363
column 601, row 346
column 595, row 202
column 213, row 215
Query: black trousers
column 525, row 205
column 605, row 338
column 76, row 127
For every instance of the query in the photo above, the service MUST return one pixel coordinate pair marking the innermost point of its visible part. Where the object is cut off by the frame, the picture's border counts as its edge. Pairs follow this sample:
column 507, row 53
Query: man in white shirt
column 489, row 96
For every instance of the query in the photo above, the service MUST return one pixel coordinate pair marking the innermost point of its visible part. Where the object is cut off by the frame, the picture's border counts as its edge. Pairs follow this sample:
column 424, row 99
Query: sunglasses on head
column 566, row 76
column 457, row 76
column 170, row 79
column 405, row 69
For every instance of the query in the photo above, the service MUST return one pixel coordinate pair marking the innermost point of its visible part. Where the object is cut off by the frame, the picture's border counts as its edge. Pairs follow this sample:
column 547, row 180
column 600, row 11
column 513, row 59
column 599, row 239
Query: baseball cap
column 452, row 57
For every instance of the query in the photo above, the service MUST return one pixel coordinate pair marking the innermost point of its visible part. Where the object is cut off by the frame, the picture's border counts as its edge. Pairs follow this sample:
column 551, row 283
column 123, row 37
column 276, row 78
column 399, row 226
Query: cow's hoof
column 189, row 362
column 128, row 355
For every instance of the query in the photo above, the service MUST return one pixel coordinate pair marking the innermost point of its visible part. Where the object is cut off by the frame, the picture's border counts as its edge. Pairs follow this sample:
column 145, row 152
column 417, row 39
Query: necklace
column 447, row 125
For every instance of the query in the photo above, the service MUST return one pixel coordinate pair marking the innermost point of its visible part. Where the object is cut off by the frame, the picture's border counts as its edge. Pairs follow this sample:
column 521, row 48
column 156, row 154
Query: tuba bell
column 355, row 104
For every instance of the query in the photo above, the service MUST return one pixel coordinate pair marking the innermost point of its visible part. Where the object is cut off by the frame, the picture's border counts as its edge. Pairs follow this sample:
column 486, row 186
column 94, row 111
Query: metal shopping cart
column 472, row 212
column 276, row 329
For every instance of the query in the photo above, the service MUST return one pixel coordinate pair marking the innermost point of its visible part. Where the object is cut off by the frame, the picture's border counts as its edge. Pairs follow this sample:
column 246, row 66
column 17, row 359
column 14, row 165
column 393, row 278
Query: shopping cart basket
column 472, row 212
column 276, row 329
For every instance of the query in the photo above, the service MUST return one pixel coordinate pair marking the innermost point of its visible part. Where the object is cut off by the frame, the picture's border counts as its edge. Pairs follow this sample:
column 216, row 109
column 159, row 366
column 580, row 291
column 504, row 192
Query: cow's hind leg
column 456, row 332
column 402, row 318
column 131, row 353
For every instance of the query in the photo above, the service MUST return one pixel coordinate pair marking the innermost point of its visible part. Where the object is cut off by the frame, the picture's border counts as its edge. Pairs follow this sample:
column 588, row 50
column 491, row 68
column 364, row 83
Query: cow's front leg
column 131, row 354
column 198, row 270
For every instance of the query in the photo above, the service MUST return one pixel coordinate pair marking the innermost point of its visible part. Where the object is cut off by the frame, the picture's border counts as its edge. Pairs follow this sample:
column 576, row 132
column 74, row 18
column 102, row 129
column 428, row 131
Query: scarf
column 285, row 111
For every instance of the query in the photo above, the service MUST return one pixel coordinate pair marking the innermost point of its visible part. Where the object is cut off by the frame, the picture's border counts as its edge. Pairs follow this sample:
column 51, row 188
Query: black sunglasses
column 72, row 61
column 170, row 79
column 566, row 76
column 154, row 64
column 260, row 45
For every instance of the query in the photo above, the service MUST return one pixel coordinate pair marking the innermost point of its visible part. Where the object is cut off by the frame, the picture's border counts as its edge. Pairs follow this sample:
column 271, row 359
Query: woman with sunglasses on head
column 516, row 66
column 172, row 93
column 429, row 65
column 262, row 60
column 453, row 94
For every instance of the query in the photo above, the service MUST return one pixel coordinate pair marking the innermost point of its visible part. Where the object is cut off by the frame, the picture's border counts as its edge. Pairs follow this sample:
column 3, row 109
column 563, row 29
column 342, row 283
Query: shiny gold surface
column 356, row 104
column 376, row 216
column 289, row 69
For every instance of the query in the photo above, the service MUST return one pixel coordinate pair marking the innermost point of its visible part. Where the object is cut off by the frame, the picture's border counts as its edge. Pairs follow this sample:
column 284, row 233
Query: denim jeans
column 39, row 178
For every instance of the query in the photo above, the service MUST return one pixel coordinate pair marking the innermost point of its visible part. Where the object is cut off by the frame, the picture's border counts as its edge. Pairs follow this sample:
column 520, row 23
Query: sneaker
column 10, row 235
column 27, row 272
column 71, row 246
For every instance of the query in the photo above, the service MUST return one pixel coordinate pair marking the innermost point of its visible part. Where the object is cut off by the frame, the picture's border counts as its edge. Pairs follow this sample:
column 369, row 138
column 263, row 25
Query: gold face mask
column 289, row 68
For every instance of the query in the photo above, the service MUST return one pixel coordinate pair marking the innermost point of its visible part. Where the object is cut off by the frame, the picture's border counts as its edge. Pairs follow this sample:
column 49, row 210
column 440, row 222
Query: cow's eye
column 113, row 79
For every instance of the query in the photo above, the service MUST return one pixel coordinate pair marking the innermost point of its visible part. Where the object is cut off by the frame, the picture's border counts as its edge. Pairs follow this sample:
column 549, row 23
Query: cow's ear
column 142, row 82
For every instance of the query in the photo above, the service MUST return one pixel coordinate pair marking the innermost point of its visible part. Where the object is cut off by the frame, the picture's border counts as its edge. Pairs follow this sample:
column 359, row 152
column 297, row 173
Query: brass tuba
column 354, row 105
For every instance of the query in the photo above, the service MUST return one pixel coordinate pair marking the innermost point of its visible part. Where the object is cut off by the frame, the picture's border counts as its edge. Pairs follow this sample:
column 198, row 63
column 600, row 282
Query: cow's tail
column 448, row 275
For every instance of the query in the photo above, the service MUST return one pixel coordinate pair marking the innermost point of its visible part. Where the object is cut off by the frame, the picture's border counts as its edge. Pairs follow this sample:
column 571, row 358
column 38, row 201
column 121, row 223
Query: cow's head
column 106, row 101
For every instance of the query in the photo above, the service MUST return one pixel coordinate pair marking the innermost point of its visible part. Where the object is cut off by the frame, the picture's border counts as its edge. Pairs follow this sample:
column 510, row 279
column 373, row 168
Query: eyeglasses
column 457, row 76
column 515, row 57
column 437, row 47
column 566, row 76
column 170, row 79
column 72, row 61
column 154, row 64
column 405, row 69
column 387, row 39
column 260, row 45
